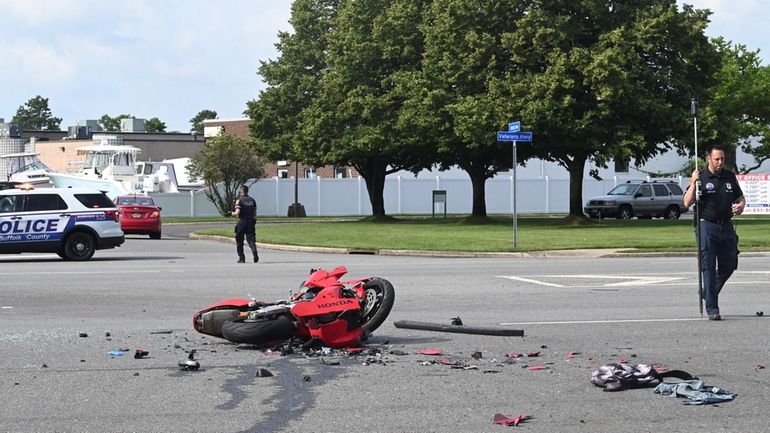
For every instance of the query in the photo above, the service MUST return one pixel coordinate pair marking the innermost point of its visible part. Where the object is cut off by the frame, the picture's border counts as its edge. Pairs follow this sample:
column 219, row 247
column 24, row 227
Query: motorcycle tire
column 380, row 296
column 261, row 331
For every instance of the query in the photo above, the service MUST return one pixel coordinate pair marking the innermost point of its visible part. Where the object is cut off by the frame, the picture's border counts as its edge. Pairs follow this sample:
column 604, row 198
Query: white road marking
column 590, row 322
column 5, row 308
column 528, row 280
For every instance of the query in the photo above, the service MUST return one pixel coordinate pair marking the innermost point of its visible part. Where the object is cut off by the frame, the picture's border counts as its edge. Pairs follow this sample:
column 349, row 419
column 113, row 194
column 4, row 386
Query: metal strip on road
column 593, row 322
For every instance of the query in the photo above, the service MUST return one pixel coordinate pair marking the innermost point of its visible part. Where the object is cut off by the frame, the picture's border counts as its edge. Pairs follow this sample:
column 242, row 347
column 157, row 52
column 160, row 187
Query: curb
column 592, row 253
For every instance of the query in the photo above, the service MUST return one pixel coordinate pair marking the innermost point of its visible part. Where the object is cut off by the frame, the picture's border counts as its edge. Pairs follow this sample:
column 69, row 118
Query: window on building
column 283, row 173
column 340, row 172
column 310, row 173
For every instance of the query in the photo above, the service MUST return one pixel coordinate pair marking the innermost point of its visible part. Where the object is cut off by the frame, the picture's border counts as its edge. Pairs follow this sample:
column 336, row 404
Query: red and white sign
column 756, row 190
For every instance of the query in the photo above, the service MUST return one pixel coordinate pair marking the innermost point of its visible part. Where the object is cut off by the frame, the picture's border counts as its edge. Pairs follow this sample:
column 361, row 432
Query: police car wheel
column 79, row 246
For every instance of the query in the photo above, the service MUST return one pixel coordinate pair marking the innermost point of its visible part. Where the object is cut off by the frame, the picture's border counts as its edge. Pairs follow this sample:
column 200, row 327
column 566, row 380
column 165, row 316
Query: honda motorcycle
column 326, row 310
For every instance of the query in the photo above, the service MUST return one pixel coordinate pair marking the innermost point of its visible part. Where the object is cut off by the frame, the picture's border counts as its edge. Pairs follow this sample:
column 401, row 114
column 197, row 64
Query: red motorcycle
column 335, row 313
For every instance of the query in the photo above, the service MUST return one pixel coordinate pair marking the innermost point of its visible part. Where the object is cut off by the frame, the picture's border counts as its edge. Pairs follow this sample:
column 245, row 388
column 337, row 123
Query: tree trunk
column 373, row 171
column 576, row 168
column 478, row 182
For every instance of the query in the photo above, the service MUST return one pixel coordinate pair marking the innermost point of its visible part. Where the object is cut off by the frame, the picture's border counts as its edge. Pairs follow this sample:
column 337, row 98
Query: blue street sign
column 514, row 136
column 514, row 126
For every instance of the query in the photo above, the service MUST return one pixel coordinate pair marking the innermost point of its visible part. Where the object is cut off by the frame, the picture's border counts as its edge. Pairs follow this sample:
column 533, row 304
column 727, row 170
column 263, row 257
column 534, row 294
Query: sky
column 171, row 59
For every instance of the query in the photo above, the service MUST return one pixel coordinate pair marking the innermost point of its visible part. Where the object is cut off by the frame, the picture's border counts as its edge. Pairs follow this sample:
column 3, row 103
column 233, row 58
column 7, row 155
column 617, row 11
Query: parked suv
column 72, row 223
column 640, row 199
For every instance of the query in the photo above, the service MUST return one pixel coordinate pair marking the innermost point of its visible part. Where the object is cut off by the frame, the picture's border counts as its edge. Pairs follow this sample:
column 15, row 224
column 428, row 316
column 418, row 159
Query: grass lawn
column 534, row 234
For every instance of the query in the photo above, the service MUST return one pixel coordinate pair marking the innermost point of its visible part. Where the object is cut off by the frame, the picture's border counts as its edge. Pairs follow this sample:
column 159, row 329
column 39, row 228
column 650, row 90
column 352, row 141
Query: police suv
column 72, row 223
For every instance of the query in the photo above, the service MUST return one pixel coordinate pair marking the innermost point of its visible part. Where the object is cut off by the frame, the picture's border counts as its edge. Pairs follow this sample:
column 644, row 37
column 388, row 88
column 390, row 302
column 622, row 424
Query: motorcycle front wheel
column 261, row 331
column 380, row 296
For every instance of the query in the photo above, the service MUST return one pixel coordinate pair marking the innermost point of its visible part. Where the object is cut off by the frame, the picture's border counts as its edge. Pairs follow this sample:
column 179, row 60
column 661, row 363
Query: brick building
column 281, row 169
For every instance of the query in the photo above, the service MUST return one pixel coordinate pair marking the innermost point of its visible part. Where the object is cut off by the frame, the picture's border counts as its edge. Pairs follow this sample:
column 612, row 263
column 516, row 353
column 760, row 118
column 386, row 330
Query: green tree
column 224, row 164
column 736, row 113
column 293, row 80
column 155, row 125
column 356, row 117
column 461, row 97
column 36, row 114
column 607, row 80
column 112, row 124
column 197, row 121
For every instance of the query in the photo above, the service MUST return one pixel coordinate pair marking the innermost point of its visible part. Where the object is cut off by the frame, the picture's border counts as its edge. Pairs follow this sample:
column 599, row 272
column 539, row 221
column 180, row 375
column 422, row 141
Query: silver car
column 639, row 199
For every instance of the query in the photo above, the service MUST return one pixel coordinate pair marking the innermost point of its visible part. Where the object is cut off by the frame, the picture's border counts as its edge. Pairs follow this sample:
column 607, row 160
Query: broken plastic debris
column 446, row 361
column 504, row 420
column 355, row 350
column 533, row 354
column 326, row 350
column 760, row 313
column 397, row 352
column 141, row 353
column 306, row 378
column 116, row 353
column 263, row 372
column 513, row 355
column 572, row 355
column 457, row 321
column 760, row 367
column 476, row 355
column 83, row 335
column 189, row 364
column 537, row 368
column 431, row 352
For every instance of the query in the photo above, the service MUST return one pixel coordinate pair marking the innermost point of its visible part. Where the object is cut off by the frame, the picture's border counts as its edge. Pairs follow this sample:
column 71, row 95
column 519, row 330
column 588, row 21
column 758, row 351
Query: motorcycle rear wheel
column 380, row 296
column 261, row 331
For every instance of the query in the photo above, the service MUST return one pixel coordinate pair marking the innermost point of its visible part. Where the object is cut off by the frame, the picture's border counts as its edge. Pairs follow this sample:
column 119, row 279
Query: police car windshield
column 622, row 190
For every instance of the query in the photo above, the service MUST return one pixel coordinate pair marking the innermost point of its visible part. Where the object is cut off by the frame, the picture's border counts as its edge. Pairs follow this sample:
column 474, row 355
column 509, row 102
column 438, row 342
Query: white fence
column 403, row 195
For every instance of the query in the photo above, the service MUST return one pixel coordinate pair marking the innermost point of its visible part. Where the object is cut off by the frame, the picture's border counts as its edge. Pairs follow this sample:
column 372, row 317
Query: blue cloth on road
column 695, row 391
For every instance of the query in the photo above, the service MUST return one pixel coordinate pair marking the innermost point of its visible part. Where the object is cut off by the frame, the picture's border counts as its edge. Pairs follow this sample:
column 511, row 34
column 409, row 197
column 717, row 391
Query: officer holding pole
column 718, row 197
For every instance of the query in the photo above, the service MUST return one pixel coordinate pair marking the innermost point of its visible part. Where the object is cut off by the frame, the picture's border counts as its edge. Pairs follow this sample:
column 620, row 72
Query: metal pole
column 694, row 112
column 515, row 219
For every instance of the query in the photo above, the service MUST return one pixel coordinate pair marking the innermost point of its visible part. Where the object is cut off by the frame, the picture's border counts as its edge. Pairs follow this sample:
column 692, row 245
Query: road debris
column 504, row 420
column 263, row 372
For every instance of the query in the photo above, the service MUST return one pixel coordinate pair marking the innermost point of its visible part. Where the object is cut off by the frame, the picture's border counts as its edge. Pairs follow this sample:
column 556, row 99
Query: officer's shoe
column 256, row 257
column 715, row 317
column 241, row 260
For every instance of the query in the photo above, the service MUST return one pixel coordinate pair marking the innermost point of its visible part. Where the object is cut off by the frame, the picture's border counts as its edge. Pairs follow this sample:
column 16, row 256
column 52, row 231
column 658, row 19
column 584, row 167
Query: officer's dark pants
column 245, row 228
column 719, row 258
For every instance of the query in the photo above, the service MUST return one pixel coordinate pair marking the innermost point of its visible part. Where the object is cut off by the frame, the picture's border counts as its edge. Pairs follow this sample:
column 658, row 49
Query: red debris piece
column 431, row 352
column 622, row 360
column 533, row 354
column 537, row 367
column 760, row 367
column 572, row 355
column 513, row 355
column 354, row 350
column 504, row 420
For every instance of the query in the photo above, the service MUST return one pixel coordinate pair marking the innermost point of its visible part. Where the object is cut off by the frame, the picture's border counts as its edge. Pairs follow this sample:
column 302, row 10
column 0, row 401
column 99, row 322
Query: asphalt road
column 144, row 294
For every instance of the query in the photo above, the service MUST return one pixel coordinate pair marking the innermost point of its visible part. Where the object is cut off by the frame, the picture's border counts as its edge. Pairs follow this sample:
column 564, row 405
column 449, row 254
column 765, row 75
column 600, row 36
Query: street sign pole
column 513, row 200
column 513, row 135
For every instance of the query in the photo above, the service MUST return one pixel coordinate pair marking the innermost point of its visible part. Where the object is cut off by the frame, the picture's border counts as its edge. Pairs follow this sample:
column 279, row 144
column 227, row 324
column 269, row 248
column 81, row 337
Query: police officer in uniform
column 246, row 211
column 721, row 198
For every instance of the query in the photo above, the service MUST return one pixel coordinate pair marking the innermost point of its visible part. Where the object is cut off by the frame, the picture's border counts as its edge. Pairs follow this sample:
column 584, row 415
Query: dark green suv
column 640, row 199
